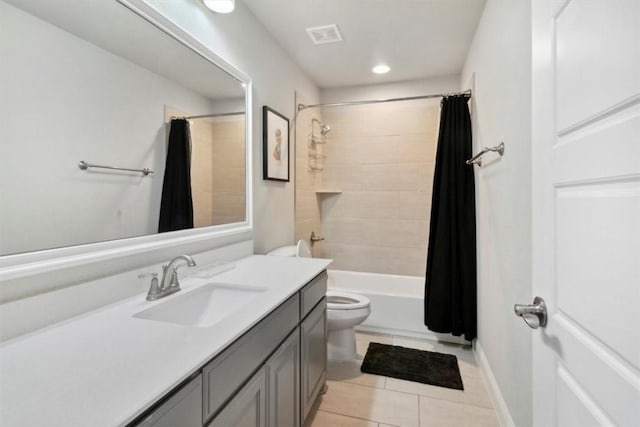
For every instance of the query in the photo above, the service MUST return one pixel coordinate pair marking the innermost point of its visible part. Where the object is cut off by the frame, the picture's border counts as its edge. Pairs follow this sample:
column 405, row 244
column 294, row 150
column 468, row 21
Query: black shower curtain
column 176, row 206
column 450, row 282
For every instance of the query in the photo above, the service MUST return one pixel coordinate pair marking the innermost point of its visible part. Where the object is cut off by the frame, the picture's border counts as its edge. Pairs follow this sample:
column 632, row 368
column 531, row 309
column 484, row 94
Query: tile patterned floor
column 355, row 399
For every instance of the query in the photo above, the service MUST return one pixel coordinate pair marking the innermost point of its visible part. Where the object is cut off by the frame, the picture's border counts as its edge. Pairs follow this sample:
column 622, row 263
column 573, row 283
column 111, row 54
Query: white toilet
column 345, row 311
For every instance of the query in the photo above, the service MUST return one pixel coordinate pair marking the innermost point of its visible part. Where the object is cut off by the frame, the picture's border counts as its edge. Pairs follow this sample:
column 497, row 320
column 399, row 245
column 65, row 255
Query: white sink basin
column 202, row 307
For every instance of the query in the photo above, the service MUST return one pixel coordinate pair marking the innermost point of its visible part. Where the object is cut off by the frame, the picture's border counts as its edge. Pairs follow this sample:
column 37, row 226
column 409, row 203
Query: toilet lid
column 346, row 301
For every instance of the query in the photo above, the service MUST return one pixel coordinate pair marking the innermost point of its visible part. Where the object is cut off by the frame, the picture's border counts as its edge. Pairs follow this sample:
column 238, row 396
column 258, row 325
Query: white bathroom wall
column 498, row 69
column 244, row 42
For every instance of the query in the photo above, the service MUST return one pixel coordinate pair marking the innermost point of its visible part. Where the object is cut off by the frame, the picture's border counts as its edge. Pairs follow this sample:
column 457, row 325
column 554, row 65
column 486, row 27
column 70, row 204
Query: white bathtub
column 397, row 303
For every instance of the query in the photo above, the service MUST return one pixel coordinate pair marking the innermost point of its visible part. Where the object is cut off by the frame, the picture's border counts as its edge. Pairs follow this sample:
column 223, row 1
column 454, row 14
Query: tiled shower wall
column 381, row 156
column 307, row 205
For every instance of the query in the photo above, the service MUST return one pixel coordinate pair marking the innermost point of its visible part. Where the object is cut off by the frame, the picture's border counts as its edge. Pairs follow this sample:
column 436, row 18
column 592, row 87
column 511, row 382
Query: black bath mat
column 410, row 364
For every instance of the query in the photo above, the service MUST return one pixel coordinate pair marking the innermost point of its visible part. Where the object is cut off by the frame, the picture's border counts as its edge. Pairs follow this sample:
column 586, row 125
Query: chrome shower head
column 324, row 129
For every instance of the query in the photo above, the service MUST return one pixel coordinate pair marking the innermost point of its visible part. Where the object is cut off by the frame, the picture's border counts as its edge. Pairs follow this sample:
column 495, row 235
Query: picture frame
column 275, row 141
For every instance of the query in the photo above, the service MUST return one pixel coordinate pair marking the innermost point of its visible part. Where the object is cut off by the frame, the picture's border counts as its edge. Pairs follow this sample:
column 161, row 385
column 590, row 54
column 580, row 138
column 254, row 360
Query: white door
column 586, row 198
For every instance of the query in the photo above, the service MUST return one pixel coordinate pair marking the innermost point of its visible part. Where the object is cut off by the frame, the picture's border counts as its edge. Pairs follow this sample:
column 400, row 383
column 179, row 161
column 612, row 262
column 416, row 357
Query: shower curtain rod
column 204, row 116
column 376, row 101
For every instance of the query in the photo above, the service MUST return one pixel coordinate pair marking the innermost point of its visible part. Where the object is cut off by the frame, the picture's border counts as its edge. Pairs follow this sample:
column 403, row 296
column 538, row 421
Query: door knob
column 534, row 315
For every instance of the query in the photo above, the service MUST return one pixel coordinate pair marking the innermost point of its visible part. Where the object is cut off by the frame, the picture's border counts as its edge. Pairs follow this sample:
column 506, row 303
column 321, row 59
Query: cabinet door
column 183, row 409
column 248, row 407
column 283, row 379
column 224, row 376
column 313, row 342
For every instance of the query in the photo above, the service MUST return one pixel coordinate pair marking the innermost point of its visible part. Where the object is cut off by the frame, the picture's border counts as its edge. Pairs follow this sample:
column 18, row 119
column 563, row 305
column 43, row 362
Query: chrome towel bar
column 85, row 165
column 477, row 160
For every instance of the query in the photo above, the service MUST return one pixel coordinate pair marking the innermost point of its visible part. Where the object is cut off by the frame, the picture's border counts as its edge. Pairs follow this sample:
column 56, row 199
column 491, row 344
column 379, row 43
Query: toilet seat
column 346, row 301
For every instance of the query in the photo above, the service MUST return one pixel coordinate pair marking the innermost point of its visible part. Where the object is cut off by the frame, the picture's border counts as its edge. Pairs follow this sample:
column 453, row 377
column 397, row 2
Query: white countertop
column 105, row 368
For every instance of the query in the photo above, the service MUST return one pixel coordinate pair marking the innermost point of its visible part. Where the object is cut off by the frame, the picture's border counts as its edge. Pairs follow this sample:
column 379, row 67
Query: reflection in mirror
column 95, row 82
column 217, row 166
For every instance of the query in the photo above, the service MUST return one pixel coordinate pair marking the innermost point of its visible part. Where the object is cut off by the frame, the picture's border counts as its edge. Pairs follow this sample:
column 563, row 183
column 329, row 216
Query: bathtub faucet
column 314, row 239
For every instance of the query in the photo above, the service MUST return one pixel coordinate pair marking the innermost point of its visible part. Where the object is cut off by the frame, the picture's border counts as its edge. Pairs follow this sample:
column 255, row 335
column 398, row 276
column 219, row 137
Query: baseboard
column 427, row 335
column 502, row 411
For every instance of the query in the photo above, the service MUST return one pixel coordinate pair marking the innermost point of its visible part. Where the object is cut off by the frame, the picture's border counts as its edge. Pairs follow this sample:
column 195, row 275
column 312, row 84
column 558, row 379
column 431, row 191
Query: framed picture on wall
column 275, row 137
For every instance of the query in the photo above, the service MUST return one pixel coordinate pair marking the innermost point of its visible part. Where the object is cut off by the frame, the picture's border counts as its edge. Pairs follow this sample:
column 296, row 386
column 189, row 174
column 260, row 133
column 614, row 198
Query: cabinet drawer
column 227, row 372
column 313, row 292
column 183, row 409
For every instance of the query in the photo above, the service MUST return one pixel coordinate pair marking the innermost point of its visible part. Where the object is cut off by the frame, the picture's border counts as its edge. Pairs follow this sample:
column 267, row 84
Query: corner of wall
column 500, row 405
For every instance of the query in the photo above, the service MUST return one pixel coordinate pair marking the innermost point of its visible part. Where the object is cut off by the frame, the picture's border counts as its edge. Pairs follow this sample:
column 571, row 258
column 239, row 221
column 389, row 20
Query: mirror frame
column 122, row 254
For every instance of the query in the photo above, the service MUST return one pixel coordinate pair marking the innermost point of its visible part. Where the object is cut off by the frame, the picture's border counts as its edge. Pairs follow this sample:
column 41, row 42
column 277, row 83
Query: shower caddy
column 316, row 155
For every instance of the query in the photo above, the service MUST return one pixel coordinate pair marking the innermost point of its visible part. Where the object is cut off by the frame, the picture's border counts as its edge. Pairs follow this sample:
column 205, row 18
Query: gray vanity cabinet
column 183, row 409
column 313, row 343
column 283, row 380
column 248, row 406
column 268, row 377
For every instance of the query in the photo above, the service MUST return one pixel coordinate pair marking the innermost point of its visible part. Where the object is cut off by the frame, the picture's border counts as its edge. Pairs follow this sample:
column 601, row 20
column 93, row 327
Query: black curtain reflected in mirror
column 176, row 206
column 450, row 282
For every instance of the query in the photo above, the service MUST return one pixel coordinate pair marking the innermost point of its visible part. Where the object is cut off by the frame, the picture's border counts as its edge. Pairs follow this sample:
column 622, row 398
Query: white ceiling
column 418, row 39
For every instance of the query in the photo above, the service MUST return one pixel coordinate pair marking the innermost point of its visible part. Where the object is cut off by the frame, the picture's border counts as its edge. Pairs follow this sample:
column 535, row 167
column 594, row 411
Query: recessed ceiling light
column 381, row 69
column 220, row 6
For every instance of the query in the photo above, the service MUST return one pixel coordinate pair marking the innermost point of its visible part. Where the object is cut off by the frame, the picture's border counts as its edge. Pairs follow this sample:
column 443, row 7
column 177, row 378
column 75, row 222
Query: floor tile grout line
column 442, row 399
column 419, row 411
column 417, row 396
column 350, row 416
column 464, row 400
column 363, row 385
column 386, row 389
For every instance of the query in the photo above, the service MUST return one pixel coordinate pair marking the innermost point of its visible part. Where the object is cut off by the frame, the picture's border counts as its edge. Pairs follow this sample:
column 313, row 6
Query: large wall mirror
column 93, row 81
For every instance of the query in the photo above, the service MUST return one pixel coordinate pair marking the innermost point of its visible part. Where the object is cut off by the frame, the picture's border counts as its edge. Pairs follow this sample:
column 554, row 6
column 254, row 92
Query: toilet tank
column 284, row 251
column 300, row 250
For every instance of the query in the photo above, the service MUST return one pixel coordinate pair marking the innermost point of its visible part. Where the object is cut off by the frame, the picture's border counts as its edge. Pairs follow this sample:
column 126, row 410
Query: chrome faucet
column 169, row 283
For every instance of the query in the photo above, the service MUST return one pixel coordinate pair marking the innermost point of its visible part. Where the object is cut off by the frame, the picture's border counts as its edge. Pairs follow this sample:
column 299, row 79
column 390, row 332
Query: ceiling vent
column 325, row 34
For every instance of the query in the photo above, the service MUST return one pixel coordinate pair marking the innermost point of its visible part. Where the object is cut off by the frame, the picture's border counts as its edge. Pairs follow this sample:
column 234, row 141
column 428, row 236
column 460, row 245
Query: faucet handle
column 154, row 290
column 148, row 274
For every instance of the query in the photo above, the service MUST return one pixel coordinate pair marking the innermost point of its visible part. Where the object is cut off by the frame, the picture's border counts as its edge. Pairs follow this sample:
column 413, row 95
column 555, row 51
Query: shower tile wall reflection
column 201, row 171
column 382, row 157
column 228, row 164
column 217, row 168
